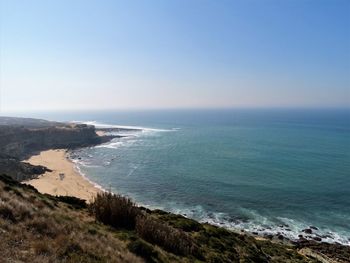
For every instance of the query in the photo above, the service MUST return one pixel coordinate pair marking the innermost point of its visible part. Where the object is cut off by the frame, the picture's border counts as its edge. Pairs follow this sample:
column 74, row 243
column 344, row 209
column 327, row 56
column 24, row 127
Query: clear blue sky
column 174, row 54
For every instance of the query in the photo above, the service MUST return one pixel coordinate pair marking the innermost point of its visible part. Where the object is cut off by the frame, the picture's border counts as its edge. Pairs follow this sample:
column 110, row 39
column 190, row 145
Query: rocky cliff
column 20, row 170
column 20, row 138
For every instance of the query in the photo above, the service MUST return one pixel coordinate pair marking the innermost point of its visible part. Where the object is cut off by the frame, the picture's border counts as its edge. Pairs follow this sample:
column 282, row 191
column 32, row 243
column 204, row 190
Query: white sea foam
column 110, row 145
column 289, row 228
column 125, row 127
column 117, row 143
column 82, row 163
column 256, row 223
column 263, row 226
column 77, row 168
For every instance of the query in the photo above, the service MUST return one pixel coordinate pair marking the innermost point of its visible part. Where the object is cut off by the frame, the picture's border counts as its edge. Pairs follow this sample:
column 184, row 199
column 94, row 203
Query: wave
column 288, row 228
column 257, row 224
column 126, row 132
column 125, row 127
column 78, row 169
column 110, row 145
column 83, row 163
column 250, row 220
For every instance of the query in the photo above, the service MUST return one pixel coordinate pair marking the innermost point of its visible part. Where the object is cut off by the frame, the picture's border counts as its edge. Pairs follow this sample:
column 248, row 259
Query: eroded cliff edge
column 23, row 137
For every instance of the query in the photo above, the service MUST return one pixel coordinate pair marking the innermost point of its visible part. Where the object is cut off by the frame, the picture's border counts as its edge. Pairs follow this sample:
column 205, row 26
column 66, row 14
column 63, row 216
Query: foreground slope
column 39, row 228
column 42, row 228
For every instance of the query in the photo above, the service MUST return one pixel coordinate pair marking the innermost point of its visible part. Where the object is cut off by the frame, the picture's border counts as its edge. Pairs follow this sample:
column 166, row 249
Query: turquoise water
column 264, row 171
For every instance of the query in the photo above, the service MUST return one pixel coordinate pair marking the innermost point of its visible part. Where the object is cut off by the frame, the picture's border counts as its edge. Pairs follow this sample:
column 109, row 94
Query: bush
column 9, row 181
column 179, row 221
column 165, row 236
column 144, row 250
column 73, row 201
column 6, row 213
column 114, row 210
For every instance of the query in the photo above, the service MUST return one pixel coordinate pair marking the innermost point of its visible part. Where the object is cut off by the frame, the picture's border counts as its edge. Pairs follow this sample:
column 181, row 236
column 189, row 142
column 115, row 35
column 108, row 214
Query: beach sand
column 64, row 179
column 101, row 133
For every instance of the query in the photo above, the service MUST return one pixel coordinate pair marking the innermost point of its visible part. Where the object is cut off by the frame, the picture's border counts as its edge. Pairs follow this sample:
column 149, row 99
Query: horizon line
column 2, row 112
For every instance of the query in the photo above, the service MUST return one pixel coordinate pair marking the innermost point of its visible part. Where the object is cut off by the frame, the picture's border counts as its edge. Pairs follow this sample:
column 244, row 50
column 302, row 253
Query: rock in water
column 307, row 231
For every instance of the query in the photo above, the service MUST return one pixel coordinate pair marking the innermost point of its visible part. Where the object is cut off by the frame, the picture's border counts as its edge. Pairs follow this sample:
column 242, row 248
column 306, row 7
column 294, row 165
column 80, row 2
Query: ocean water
column 265, row 171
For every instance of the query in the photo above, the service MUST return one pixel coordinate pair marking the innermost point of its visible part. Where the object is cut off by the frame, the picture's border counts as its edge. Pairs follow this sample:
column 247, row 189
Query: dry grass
column 165, row 236
column 41, row 228
column 121, row 212
column 37, row 228
column 114, row 210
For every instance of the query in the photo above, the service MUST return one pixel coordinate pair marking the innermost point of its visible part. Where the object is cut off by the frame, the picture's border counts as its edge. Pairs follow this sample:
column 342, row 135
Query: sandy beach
column 101, row 133
column 64, row 179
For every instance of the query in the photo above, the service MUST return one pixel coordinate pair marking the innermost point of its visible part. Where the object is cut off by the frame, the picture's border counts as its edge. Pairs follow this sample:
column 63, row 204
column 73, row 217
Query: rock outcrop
column 20, row 170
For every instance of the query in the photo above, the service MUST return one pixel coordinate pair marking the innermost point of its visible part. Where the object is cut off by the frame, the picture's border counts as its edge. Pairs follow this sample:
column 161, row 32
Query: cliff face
column 20, row 170
column 20, row 138
column 20, row 142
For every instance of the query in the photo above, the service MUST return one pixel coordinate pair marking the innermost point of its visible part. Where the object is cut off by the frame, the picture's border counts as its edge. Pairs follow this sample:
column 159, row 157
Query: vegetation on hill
column 36, row 227
column 42, row 228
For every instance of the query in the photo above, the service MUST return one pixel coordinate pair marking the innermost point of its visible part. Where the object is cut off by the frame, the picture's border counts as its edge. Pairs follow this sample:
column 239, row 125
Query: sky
column 154, row 54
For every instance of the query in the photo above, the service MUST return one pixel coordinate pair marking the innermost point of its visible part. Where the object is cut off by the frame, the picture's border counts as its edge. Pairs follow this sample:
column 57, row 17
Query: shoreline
column 64, row 179
column 75, row 183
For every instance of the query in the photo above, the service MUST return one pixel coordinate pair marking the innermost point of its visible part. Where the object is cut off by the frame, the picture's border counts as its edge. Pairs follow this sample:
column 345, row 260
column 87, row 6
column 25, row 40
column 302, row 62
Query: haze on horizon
column 77, row 55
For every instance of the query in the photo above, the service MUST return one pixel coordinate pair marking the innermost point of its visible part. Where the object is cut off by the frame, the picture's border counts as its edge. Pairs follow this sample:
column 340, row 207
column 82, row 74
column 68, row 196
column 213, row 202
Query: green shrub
column 144, row 250
column 10, row 184
column 179, row 221
column 9, row 181
column 218, row 232
column 73, row 201
column 114, row 210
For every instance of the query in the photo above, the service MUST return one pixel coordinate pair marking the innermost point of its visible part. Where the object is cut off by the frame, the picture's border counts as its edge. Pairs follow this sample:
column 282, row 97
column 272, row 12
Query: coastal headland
column 21, row 138
column 56, row 225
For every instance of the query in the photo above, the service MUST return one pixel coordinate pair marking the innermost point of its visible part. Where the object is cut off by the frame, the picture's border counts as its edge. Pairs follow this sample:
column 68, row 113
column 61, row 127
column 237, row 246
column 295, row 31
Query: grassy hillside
column 42, row 228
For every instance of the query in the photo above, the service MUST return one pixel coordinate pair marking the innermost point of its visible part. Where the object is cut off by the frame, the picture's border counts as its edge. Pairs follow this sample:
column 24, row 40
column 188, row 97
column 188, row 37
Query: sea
column 265, row 171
